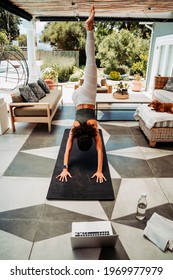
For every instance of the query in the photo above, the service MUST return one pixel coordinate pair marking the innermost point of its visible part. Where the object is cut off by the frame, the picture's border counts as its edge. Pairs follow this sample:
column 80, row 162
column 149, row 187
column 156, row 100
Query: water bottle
column 141, row 207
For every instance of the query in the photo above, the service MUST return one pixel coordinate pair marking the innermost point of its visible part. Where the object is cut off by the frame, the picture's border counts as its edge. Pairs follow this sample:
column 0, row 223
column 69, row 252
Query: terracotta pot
column 136, row 86
column 50, row 83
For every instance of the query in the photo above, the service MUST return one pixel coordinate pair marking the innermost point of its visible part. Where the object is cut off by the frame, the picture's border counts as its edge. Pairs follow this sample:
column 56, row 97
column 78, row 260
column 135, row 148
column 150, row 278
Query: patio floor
column 32, row 227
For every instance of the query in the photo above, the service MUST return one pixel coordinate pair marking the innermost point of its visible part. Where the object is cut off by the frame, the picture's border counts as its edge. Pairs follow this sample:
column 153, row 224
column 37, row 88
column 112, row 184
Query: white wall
column 161, row 53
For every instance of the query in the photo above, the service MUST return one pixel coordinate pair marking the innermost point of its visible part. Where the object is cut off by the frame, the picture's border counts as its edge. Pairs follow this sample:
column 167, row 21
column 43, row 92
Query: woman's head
column 84, row 133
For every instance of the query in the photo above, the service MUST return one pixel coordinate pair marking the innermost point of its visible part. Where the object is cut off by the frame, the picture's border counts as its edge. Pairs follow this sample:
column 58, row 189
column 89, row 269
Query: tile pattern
column 32, row 227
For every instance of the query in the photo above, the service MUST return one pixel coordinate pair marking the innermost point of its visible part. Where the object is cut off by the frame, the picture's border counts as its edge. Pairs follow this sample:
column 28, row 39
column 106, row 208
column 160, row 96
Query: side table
column 4, row 121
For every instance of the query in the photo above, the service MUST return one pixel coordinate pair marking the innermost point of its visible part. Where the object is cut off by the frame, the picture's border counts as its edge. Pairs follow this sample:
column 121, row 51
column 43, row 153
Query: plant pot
column 136, row 86
column 121, row 95
column 50, row 83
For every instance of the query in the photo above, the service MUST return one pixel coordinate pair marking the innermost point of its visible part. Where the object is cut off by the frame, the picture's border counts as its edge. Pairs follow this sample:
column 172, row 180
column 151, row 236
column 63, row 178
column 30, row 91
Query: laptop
column 93, row 235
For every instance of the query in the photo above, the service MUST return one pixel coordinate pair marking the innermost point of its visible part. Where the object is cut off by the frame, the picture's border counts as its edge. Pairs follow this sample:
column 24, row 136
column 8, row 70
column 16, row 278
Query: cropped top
column 85, row 114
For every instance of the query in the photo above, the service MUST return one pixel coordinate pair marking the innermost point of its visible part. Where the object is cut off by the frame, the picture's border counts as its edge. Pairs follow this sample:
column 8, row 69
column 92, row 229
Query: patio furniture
column 102, row 86
column 157, row 127
column 41, row 111
column 160, row 91
column 4, row 123
column 156, row 134
column 108, row 99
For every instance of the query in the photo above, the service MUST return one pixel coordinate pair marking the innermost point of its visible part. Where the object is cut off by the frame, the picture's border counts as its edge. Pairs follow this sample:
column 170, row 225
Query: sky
column 39, row 27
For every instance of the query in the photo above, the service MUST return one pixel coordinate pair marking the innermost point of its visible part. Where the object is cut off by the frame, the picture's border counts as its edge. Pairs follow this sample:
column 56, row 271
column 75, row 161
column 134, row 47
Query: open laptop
column 92, row 234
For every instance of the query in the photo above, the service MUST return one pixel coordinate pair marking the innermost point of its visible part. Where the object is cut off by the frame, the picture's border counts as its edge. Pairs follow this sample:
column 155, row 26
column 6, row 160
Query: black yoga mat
column 82, row 165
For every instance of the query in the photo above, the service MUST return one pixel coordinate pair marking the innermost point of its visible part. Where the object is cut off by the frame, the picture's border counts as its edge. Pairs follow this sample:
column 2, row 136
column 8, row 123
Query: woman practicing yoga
column 85, row 126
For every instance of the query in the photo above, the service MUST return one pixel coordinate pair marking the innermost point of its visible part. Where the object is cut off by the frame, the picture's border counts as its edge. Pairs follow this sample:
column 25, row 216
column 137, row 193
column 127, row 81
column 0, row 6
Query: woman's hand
column 100, row 177
column 64, row 175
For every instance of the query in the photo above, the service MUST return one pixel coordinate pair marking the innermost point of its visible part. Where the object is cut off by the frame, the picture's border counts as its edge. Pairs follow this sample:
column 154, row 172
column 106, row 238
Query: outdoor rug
column 82, row 165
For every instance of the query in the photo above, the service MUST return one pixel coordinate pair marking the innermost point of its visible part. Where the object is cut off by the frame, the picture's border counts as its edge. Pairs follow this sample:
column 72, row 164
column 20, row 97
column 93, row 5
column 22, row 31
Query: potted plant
column 50, row 75
column 137, row 83
column 121, row 91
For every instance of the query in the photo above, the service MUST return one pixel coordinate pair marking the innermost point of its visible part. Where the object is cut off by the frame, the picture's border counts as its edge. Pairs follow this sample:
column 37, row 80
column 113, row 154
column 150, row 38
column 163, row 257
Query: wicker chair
column 158, row 133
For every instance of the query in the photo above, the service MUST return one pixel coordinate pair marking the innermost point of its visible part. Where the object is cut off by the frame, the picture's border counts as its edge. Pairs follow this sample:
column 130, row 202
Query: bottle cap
column 143, row 194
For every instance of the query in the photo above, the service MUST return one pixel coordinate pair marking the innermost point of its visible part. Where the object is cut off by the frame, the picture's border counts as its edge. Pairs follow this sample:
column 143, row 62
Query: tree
column 9, row 23
column 103, row 29
column 121, row 50
column 22, row 39
column 65, row 35
column 3, row 41
column 134, row 27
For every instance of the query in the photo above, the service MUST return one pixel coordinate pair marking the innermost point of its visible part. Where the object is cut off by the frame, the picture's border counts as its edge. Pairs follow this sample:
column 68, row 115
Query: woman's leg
column 86, row 93
column 90, row 75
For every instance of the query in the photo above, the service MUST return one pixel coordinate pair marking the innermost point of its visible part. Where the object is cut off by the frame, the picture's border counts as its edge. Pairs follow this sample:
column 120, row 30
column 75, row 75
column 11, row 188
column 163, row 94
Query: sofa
column 163, row 89
column 102, row 86
column 34, row 103
column 157, row 127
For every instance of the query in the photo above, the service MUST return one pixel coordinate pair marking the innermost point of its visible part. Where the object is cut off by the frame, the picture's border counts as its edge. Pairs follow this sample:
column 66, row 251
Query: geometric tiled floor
column 32, row 227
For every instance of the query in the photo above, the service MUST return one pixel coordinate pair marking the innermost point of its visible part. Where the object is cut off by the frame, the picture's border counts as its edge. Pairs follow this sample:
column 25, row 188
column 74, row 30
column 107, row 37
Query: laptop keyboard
column 94, row 233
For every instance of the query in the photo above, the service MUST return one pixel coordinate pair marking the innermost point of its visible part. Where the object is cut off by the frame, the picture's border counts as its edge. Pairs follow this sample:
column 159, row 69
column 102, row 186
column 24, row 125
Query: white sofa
column 159, row 92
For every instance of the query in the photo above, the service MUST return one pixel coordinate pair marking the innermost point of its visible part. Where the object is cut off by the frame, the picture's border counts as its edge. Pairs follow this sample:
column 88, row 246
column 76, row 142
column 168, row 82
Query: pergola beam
column 10, row 7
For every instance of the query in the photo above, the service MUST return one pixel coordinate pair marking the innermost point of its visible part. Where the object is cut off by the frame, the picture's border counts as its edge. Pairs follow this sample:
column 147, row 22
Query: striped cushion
column 164, row 124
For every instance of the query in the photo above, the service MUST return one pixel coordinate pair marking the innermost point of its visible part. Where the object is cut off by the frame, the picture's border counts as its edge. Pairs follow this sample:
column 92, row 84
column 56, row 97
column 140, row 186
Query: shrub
column 114, row 75
column 64, row 74
column 3, row 39
column 74, row 77
column 77, row 74
column 64, row 66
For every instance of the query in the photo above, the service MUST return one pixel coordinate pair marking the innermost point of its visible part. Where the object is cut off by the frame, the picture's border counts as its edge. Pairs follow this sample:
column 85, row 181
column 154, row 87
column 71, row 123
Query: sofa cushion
column 163, row 95
column 28, row 94
column 37, row 90
column 102, row 89
column 164, row 124
column 17, row 97
column 43, row 85
column 169, row 84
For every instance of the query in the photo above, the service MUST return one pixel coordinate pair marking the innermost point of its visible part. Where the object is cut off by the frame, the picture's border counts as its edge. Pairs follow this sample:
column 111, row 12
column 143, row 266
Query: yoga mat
column 82, row 165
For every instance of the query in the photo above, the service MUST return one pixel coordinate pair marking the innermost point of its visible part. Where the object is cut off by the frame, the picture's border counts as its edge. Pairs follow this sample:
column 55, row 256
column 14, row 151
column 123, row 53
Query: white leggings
column 86, row 93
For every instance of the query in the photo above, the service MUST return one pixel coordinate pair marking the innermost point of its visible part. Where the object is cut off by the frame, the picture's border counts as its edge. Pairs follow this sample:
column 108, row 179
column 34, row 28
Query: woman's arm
column 99, row 148
column 64, row 174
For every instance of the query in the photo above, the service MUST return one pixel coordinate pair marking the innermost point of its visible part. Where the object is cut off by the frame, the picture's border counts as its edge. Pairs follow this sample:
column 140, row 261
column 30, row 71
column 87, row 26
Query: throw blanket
column 150, row 117
column 160, row 231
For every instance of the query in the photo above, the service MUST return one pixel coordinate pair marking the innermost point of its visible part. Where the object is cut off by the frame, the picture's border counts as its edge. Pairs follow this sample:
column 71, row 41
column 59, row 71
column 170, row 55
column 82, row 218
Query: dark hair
column 84, row 134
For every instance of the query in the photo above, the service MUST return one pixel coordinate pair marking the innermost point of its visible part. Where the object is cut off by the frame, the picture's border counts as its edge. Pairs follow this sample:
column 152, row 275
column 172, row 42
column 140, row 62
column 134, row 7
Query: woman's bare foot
column 90, row 21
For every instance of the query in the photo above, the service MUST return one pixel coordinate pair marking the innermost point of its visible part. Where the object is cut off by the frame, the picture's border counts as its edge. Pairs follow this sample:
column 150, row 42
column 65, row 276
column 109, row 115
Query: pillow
column 98, row 85
column 37, row 90
column 17, row 98
column 43, row 85
column 28, row 94
column 169, row 84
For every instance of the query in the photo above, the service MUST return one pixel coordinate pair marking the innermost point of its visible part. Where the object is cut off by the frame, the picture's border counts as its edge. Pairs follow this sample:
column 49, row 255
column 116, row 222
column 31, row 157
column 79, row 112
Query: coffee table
column 107, row 98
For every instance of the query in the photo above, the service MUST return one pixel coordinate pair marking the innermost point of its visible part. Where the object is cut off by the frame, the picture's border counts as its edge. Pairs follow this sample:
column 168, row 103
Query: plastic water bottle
column 141, row 207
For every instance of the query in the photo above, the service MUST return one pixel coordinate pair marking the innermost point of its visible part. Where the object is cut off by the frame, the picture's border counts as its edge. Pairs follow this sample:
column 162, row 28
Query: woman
column 85, row 126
